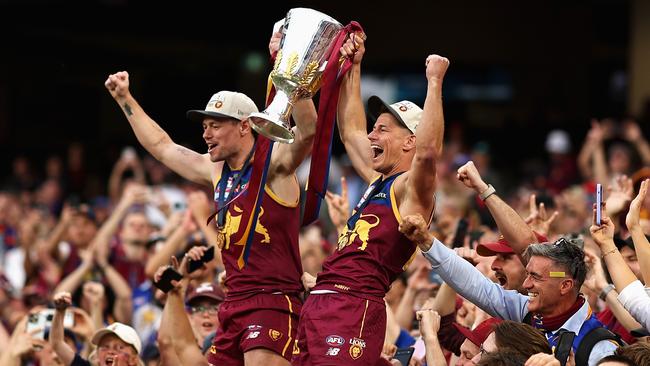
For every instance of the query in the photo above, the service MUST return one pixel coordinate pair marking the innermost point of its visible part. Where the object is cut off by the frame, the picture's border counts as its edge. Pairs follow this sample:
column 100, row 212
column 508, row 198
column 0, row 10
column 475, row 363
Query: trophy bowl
column 308, row 38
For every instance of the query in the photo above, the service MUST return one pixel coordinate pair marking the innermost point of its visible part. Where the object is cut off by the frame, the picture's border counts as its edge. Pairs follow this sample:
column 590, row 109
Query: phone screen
column 599, row 203
column 403, row 355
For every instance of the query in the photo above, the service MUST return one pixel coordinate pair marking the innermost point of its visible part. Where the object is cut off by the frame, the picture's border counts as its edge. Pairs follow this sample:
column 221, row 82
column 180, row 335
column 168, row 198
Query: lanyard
column 223, row 185
column 377, row 186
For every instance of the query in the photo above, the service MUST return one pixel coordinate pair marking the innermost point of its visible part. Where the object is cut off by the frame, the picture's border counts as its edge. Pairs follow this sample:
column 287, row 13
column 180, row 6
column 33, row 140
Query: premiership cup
column 299, row 64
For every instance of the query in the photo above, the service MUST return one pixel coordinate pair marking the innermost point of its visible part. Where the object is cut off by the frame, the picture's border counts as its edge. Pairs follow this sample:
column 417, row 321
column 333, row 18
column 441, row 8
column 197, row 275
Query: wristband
column 487, row 193
column 605, row 291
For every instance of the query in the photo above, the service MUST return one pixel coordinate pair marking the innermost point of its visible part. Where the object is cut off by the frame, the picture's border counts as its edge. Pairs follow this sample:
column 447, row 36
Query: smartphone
column 599, row 203
column 43, row 319
column 193, row 265
column 165, row 282
column 403, row 355
column 461, row 233
column 563, row 348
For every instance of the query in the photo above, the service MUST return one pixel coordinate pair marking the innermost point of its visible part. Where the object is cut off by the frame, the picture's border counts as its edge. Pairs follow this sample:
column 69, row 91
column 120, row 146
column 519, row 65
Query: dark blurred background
column 518, row 69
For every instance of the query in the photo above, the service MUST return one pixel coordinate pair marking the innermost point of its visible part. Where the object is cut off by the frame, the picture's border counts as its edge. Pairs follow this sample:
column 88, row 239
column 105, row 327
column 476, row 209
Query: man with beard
column 507, row 266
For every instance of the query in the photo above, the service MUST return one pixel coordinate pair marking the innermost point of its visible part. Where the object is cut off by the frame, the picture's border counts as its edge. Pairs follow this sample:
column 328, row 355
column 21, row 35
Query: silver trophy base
column 271, row 128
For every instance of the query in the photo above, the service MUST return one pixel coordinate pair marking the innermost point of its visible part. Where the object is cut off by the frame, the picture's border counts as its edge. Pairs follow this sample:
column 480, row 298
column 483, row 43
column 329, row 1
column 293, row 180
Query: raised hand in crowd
column 634, row 227
column 338, row 207
column 176, row 336
column 21, row 344
column 632, row 132
column 619, row 195
column 62, row 301
column 512, row 226
column 591, row 159
column 429, row 326
column 128, row 161
column 201, row 208
column 538, row 218
column 417, row 284
column 603, row 236
column 93, row 293
column 596, row 282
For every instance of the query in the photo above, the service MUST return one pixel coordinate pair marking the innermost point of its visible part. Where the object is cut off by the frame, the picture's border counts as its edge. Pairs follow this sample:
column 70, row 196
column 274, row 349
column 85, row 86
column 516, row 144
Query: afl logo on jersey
column 335, row 340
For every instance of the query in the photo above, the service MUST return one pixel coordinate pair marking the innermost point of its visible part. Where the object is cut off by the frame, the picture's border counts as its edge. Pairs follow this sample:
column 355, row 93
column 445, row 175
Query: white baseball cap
column 406, row 112
column 226, row 104
column 122, row 331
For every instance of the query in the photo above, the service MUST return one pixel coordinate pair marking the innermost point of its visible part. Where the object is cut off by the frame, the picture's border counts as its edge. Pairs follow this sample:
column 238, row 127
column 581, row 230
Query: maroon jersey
column 372, row 253
column 274, row 260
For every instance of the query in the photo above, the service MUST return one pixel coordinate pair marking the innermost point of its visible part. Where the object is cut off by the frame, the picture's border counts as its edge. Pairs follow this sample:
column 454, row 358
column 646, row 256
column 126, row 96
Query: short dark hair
column 638, row 353
column 521, row 338
column 565, row 254
column 503, row 358
column 616, row 358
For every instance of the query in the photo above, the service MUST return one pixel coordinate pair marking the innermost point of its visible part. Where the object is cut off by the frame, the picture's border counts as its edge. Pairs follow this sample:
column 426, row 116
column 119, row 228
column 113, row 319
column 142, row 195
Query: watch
column 487, row 193
column 605, row 291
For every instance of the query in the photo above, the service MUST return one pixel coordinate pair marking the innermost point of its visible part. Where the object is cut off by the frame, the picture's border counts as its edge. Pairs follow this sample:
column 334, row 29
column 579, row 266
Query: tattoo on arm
column 183, row 150
column 127, row 109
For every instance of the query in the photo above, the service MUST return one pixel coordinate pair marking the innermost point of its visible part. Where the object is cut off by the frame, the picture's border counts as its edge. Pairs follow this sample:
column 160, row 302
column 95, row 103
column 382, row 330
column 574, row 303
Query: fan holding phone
column 168, row 277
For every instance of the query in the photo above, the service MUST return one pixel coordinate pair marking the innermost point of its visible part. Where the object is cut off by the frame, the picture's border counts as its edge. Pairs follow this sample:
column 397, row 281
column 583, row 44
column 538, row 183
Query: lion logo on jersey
column 361, row 230
column 232, row 227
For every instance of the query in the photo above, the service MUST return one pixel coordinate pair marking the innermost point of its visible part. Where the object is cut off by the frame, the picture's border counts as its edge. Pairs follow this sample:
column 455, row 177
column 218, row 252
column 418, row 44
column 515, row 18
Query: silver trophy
column 308, row 37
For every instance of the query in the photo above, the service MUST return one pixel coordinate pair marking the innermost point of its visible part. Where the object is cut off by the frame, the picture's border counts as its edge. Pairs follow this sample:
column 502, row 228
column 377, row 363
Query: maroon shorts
column 338, row 329
column 260, row 321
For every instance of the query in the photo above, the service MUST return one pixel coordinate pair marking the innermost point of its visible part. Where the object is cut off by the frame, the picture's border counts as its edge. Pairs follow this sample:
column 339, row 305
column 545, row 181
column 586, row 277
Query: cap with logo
column 122, row 331
column 225, row 104
column 206, row 290
column 502, row 246
column 407, row 113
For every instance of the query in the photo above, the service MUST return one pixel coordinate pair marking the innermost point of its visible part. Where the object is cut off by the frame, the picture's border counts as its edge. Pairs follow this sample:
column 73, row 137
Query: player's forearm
column 304, row 113
column 431, row 129
column 351, row 115
column 148, row 132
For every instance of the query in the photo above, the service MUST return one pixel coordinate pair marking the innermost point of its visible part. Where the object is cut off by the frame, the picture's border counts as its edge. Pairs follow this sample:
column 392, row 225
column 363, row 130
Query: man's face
column 386, row 140
column 111, row 347
column 81, row 230
column 222, row 137
column 204, row 316
column 509, row 271
column 543, row 290
column 467, row 351
column 488, row 346
column 135, row 228
column 47, row 356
